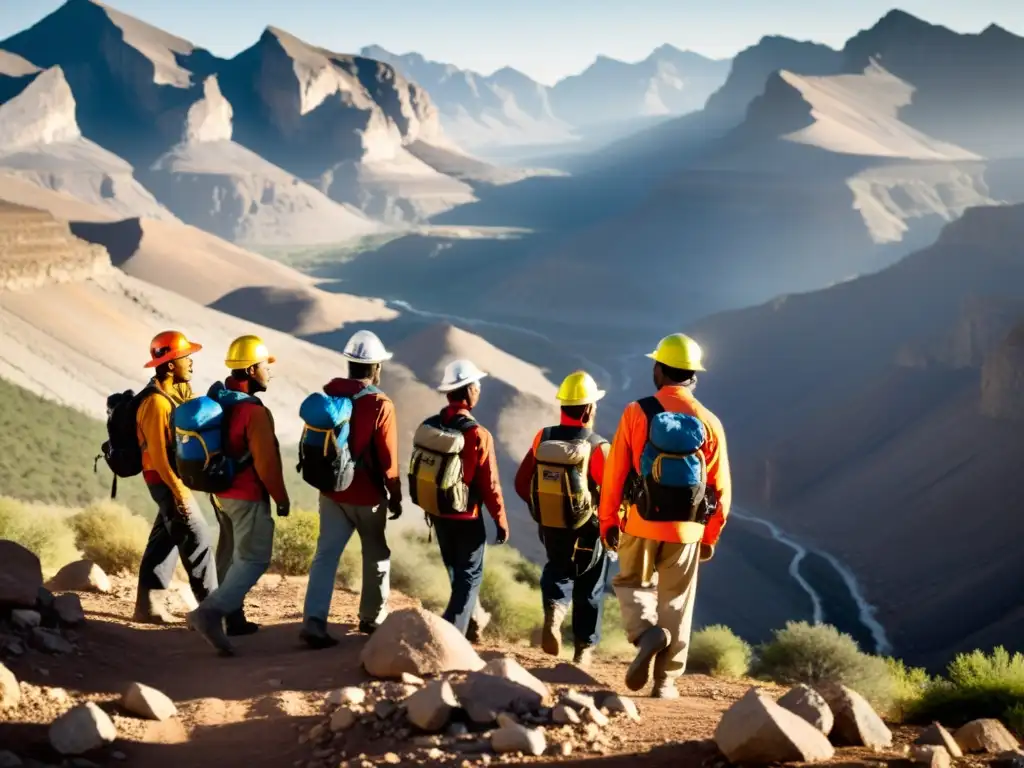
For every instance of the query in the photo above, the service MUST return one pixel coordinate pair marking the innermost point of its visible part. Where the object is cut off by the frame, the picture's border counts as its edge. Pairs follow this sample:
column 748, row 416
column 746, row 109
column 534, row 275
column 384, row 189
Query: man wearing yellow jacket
column 179, row 528
column 658, row 560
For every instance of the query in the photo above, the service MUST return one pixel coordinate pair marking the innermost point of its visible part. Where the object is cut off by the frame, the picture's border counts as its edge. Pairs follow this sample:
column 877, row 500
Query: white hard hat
column 458, row 374
column 365, row 347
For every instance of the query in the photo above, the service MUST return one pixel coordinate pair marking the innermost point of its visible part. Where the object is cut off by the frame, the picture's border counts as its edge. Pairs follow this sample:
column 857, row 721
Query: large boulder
column 21, row 576
column 418, row 642
column 10, row 691
column 81, row 730
column 810, row 705
column 81, row 576
column 68, row 608
column 985, row 735
column 485, row 696
column 757, row 730
column 856, row 722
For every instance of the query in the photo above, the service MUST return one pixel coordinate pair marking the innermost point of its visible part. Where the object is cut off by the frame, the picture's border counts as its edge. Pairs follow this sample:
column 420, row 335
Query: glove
column 394, row 507
column 707, row 551
column 502, row 536
column 283, row 508
column 611, row 539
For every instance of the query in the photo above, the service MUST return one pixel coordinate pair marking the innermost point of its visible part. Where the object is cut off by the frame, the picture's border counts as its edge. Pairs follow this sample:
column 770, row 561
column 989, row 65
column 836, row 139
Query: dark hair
column 460, row 395
column 240, row 374
column 575, row 411
column 163, row 369
column 677, row 375
column 362, row 370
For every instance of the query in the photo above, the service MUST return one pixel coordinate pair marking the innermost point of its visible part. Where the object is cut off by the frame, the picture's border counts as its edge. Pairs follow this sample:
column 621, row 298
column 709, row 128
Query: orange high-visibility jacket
column 630, row 439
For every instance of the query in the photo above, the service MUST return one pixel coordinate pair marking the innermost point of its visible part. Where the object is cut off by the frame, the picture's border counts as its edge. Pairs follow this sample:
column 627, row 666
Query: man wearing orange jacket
column 247, row 527
column 179, row 528
column 658, row 561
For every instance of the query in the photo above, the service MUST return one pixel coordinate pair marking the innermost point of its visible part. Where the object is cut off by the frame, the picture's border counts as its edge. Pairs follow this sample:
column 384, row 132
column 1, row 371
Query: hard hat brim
column 175, row 355
column 241, row 365
column 369, row 361
column 654, row 356
column 584, row 400
column 460, row 384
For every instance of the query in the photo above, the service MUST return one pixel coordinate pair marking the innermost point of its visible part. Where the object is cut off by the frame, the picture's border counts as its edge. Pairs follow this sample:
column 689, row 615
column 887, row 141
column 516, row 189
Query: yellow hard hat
column 246, row 351
column 579, row 388
column 679, row 351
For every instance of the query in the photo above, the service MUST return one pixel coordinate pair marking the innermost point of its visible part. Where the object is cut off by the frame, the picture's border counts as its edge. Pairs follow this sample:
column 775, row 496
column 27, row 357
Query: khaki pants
column 656, row 586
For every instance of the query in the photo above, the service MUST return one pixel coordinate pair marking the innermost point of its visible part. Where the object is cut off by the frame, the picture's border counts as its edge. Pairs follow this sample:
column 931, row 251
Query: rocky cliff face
column 42, row 112
column 1002, row 378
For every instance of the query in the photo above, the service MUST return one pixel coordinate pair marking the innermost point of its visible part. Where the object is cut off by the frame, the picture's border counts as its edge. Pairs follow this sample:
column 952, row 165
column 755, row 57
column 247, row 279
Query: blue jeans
column 175, row 535
column 249, row 528
column 580, row 581
column 337, row 524
column 462, row 549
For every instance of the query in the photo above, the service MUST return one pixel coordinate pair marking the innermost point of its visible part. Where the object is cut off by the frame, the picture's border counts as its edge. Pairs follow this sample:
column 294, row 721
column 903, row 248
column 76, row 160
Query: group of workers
column 588, row 497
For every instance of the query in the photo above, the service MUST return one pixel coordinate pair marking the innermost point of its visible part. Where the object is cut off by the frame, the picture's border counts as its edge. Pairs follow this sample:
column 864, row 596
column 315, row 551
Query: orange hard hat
column 170, row 345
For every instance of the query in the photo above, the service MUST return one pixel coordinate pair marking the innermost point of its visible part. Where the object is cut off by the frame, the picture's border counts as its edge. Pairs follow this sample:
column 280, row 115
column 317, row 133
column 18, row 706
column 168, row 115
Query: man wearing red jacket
column 362, row 507
column 461, row 538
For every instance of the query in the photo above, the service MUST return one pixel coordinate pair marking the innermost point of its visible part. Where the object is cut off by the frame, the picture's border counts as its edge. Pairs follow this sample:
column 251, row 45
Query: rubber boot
column 210, row 626
column 151, row 607
column 236, row 625
column 583, row 657
column 551, row 633
column 649, row 645
column 314, row 634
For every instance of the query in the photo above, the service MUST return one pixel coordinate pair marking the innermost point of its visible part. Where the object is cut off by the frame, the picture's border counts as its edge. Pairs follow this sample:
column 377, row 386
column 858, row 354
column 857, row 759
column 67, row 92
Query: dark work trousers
column 579, row 580
column 462, row 550
column 174, row 534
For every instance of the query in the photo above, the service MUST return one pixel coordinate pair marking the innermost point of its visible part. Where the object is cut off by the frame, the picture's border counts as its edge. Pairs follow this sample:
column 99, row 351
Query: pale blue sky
column 546, row 39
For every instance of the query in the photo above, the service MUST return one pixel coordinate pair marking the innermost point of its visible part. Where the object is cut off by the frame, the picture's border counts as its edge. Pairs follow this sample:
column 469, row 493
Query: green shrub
column 509, row 593
column 111, row 535
column 614, row 643
column 815, row 654
column 41, row 529
column 295, row 542
column 908, row 686
column 417, row 571
column 717, row 651
column 976, row 685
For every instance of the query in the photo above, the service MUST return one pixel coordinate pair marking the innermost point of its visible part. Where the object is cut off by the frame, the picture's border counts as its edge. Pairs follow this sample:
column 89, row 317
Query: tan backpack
column 562, row 494
column 436, row 480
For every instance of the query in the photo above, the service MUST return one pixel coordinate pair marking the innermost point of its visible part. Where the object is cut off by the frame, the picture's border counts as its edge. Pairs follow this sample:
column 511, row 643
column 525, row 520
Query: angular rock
column 344, row 696
column 615, row 703
column 757, row 730
column 384, row 709
column 481, row 694
column 576, row 700
column 21, row 576
column 69, row 609
column 806, row 702
column 937, row 735
column 595, row 715
column 81, row 576
column 516, row 738
column 148, row 703
column 50, row 642
column 411, row 679
column 430, row 708
column 565, row 749
column 342, row 720
column 26, row 619
column 931, row 755
column 510, row 669
column 565, row 715
column 82, row 729
column 985, row 735
column 10, row 690
column 418, row 642
column 856, row 723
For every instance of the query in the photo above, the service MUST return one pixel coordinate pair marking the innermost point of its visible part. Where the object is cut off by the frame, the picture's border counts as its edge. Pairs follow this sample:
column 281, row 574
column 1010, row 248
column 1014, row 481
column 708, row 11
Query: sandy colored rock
column 510, row 669
column 81, row 730
column 757, row 730
column 856, row 722
column 69, row 609
column 418, row 642
column 806, row 702
column 516, row 738
column 576, row 700
column 411, row 679
column 148, row 703
column 430, row 708
column 565, row 715
column 80, row 576
column 21, row 576
column 615, row 703
column 985, row 735
column 937, row 735
column 483, row 696
column 10, row 690
column 342, row 720
column 346, row 696
column 26, row 619
column 930, row 755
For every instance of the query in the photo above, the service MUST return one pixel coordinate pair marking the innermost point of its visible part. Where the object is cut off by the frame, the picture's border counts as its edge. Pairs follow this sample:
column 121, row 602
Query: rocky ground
column 277, row 704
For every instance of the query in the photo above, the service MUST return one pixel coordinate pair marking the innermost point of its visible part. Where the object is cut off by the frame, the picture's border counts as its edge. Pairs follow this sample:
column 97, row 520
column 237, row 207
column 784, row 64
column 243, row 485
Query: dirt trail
column 250, row 710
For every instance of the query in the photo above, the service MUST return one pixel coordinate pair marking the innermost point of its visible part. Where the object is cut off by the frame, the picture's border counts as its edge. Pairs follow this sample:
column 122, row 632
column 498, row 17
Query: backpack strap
column 463, row 423
column 651, row 407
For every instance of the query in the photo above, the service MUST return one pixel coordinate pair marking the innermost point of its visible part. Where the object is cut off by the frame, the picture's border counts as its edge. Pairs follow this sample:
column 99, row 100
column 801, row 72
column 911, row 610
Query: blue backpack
column 325, row 459
column 200, row 439
column 672, row 484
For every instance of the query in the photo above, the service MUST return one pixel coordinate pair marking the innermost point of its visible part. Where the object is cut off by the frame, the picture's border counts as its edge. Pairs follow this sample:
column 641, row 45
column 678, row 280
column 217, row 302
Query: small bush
column 417, row 570
column 111, row 535
column 908, row 686
column 815, row 654
column 295, row 542
column 41, row 529
column 976, row 685
column 509, row 594
column 717, row 651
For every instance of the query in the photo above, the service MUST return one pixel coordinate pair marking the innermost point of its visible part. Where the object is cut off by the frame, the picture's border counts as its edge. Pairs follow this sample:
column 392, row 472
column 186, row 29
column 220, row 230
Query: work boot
column 210, row 626
column 151, row 608
column 367, row 627
column 477, row 624
column 236, row 625
column 649, row 645
column 314, row 634
column 583, row 657
column 664, row 689
column 551, row 633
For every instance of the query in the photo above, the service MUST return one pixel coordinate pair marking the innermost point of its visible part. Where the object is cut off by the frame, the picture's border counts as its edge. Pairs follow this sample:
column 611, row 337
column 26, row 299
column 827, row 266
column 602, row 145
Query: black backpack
column 122, row 451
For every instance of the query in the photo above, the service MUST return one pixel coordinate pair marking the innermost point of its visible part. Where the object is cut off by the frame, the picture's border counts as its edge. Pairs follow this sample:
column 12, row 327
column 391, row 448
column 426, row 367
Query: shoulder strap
column 463, row 423
column 545, row 434
column 651, row 407
column 595, row 440
column 369, row 389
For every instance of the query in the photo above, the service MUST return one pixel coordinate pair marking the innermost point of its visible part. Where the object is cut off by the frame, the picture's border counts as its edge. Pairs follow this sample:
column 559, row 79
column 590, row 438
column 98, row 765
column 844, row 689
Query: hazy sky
column 547, row 39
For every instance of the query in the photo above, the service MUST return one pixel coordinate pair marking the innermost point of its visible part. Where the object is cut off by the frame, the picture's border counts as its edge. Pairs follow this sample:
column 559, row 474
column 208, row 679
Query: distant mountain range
column 508, row 107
